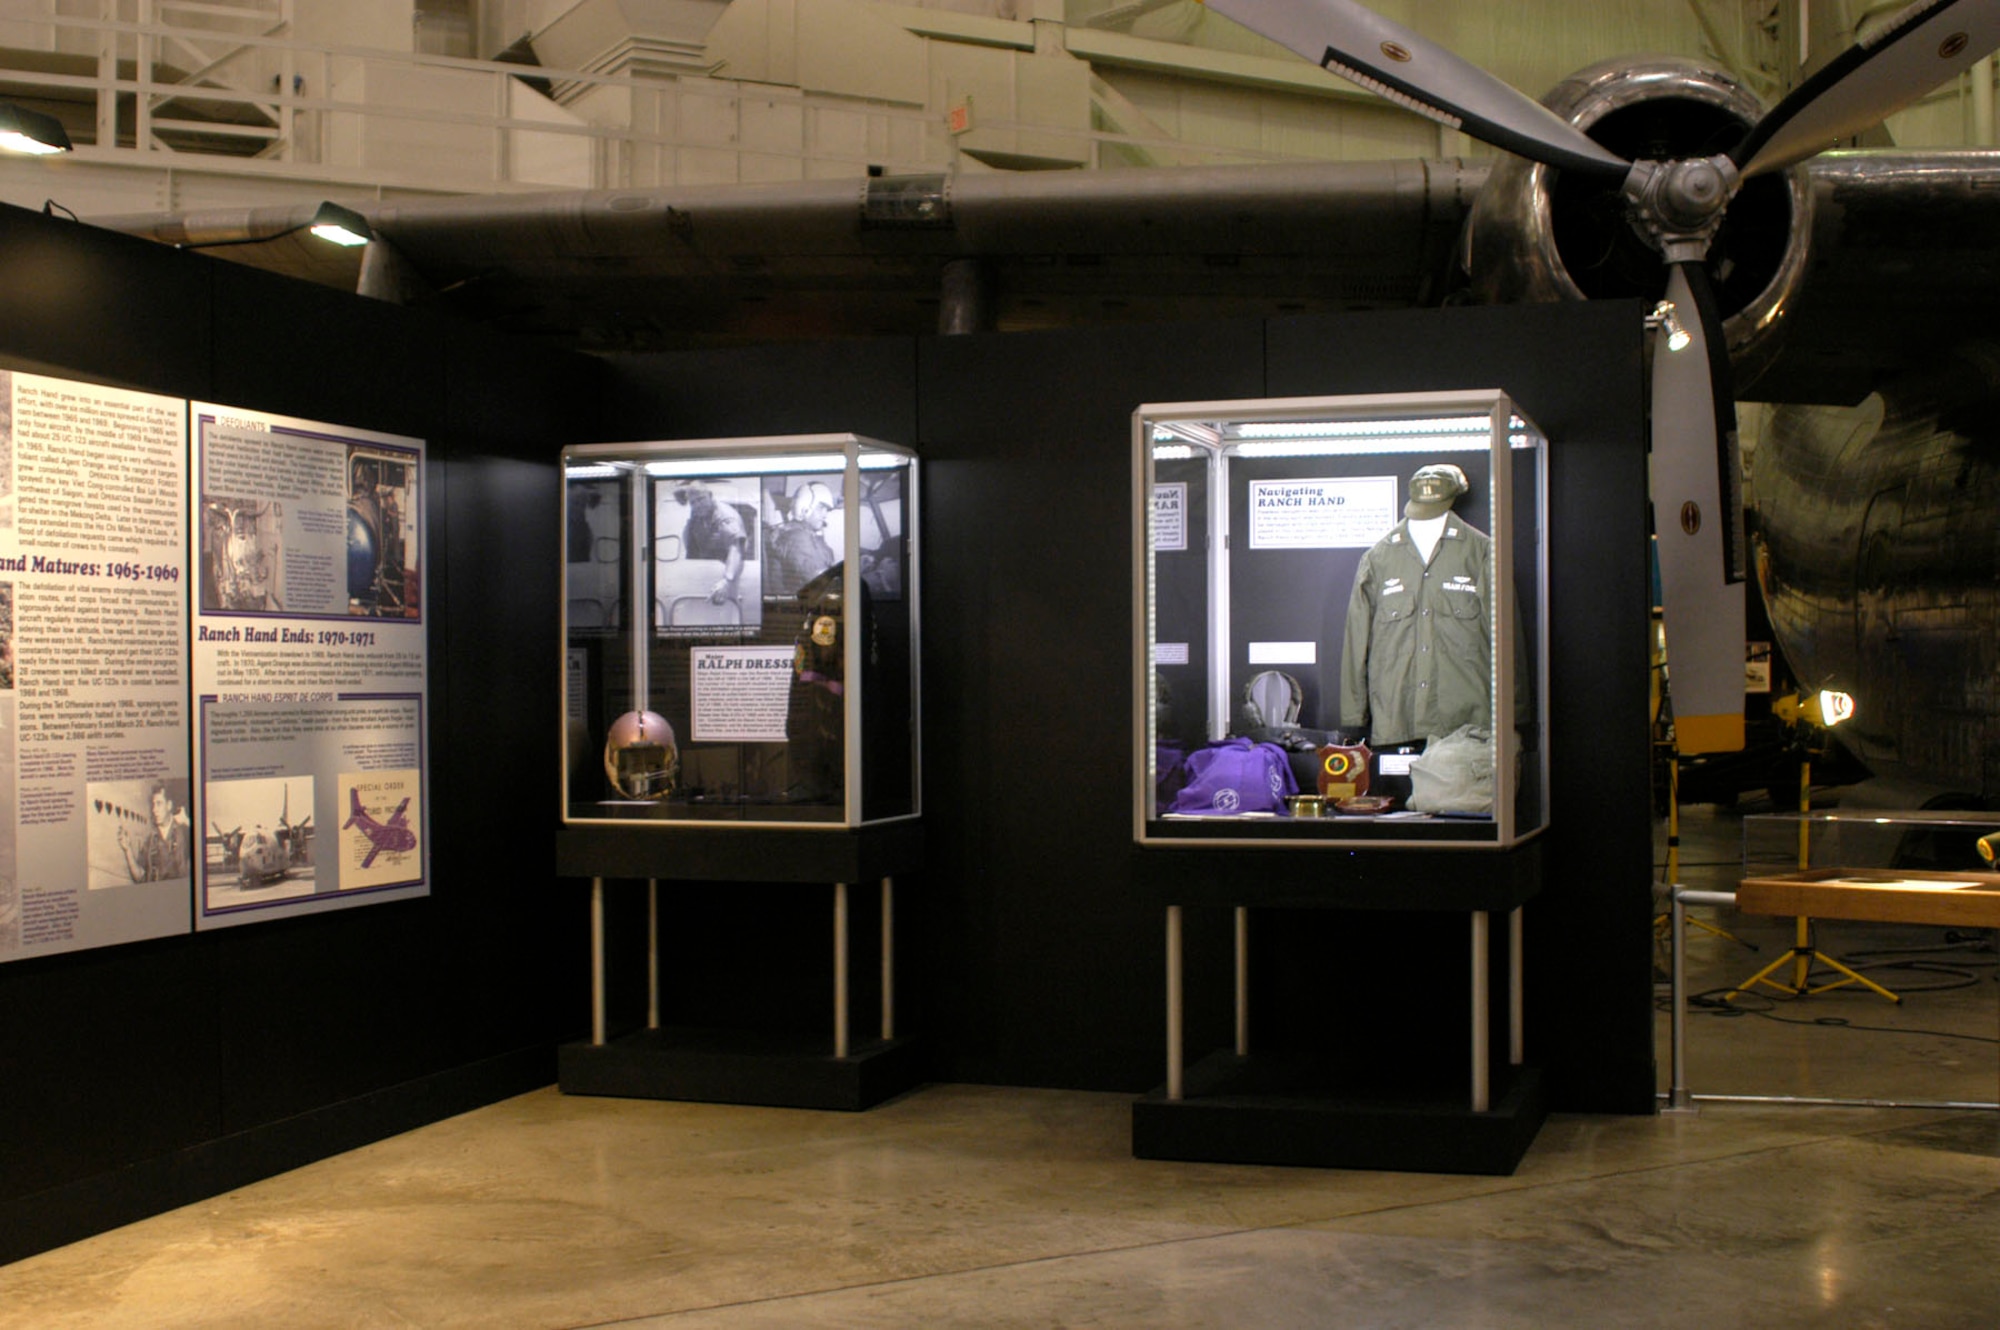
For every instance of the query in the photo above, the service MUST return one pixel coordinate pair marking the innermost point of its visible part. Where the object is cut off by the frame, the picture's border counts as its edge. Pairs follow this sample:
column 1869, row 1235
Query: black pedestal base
column 735, row 1067
column 1266, row 1110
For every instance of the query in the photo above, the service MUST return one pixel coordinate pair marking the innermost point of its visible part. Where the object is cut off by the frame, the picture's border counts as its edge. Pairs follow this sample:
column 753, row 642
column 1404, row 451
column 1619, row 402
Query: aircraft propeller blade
column 1925, row 44
column 1693, row 428
column 1419, row 75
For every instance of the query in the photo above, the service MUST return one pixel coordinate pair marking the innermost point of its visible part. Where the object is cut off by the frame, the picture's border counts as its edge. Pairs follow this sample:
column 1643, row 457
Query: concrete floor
column 980, row 1206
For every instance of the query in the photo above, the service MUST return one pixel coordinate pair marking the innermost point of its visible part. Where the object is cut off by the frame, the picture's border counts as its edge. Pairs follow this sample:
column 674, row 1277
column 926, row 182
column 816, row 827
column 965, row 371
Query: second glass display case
column 740, row 626
column 1340, row 621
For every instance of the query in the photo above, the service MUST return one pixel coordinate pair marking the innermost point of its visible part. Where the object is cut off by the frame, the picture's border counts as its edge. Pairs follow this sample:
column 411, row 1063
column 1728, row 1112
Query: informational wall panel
column 309, row 665
column 97, row 843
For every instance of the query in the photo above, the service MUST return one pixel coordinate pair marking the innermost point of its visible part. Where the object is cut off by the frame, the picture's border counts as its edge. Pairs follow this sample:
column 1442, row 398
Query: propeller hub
column 1693, row 191
column 1677, row 206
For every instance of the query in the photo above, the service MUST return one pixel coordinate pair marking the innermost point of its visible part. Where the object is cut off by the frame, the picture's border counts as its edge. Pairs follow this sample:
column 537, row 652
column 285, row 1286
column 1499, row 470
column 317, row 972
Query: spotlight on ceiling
column 22, row 130
column 342, row 226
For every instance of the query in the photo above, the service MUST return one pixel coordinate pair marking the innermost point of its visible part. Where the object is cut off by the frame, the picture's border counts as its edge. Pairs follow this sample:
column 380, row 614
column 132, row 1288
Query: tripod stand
column 1662, row 922
column 1803, row 955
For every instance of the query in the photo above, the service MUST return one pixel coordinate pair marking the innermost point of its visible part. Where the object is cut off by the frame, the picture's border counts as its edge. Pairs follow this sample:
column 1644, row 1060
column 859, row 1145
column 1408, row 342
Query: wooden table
column 1880, row 895
column 1877, row 895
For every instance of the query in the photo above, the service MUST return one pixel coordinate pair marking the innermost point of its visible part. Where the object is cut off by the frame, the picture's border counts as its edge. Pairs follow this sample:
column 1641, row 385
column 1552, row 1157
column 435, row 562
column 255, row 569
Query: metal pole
column 1482, row 1038
column 652, row 953
column 1802, row 951
column 597, row 961
column 639, row 567
column 1242, row 981
column 142, row 98
column 840, row 969
column 1517, row 1009
column 888, row 960
column 107, row 82
column 1174, row 1031
column 1678, row 1098
column 1982, row 104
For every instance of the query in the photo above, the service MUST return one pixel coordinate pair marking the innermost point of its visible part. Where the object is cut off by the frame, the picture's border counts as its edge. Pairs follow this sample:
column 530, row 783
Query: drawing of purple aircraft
column 394, row 836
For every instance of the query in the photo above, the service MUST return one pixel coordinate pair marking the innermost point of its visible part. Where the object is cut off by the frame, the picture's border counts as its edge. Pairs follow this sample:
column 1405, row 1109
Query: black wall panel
column 1048, row 961
column 87, row 304
column 143, row 1076
column 861, row 386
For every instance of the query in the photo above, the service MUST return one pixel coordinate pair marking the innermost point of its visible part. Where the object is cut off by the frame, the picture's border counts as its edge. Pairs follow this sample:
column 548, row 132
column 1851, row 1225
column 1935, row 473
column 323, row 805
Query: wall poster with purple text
column 309, row 555
column 96, row 840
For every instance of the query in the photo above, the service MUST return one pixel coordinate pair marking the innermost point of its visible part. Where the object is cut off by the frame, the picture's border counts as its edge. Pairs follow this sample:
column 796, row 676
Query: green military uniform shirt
column 1417, row 656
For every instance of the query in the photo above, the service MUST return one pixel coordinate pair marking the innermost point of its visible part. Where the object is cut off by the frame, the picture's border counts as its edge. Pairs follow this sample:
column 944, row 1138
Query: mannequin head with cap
column 1433, row 489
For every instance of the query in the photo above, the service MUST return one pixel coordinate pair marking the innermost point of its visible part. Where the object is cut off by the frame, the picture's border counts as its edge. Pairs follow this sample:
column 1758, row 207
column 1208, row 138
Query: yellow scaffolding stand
column 1802, row 955
column 1662, row 922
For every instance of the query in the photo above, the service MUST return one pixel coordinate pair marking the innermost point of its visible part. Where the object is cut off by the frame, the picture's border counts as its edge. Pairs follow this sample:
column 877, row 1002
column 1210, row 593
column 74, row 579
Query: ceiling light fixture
column 342, row 226
column 22, row 130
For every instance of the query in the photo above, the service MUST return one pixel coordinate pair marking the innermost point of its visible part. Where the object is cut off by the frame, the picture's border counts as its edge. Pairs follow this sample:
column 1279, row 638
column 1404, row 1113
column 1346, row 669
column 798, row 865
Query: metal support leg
column 1678, row 1098
column 597, row 961
column 652, row 953
column 1242, row 981
column 1482, row 1037
column 1174, row 1015
column 888, row 960
column 840, row 969
column 1517, row 1007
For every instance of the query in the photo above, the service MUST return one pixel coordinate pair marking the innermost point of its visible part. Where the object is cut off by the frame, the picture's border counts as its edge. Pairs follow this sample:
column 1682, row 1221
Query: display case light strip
column 594, row 471
column 1405, row 443
column 1172, row 452
column 722, row 464
column 1206, row 436
column 1338, row 429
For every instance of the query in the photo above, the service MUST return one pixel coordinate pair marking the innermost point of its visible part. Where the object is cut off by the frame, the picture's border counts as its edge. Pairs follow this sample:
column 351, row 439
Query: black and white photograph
column 383, row 576
column 803, row 537
column 258, row 844
column 242, row 555
column 138, row 831
column 6, row 637
column 707, row 576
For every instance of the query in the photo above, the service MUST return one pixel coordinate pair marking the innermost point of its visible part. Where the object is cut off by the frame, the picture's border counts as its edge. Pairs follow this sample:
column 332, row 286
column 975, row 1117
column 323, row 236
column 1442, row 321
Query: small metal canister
column 1306, row 805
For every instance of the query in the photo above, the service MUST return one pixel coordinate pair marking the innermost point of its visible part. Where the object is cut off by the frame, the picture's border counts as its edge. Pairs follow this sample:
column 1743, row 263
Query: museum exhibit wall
column 1031, row 950
column 138, row 1077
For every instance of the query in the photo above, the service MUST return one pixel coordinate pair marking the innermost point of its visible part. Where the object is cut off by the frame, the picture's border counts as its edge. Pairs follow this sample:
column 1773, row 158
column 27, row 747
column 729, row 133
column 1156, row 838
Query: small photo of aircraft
column 257, row 852
column 396, row 835
column 270, row 854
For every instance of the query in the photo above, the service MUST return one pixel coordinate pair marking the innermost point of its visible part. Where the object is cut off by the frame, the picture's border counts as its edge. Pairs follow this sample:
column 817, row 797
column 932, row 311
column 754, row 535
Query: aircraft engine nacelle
column 260, row 857
column 1537, row 234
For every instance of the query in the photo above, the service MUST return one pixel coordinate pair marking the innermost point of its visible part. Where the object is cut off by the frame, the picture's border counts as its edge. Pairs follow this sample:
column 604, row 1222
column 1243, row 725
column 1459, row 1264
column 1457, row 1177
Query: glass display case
column 1924, row 840
column 740, row 629
column 1339, row 621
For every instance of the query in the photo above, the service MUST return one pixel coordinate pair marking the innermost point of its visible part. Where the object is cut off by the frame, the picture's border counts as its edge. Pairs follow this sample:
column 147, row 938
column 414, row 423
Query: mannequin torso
column 1425, row 532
